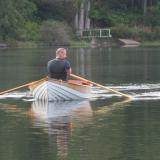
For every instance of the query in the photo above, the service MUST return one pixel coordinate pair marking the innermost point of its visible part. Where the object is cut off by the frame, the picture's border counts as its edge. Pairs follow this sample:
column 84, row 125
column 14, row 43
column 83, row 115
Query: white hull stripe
column 66, row 92
column 49, row 91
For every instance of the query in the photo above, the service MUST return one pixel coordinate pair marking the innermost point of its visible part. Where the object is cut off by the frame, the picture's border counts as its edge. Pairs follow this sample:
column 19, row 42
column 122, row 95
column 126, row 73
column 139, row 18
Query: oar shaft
column 99, row 85
column 22, row 86
column 13, row 89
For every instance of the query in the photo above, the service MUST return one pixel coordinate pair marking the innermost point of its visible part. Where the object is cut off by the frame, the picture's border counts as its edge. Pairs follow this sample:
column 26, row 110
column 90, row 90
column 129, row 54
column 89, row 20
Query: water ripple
column 137, row 91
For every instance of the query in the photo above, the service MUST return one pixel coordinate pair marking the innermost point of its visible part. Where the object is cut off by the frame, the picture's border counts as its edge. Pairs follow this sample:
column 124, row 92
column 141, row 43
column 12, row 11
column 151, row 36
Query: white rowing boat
column 57, row 90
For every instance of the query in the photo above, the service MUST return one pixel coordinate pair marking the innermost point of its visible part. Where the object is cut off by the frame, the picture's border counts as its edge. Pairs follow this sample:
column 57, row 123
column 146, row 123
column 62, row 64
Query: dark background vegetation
column 52, row 21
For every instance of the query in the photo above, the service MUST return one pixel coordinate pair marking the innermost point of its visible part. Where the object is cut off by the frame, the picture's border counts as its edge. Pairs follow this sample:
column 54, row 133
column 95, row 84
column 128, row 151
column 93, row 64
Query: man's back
column 57, row 68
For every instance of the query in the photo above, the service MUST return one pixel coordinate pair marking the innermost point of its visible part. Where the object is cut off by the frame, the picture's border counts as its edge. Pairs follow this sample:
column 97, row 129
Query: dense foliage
column 53, row 20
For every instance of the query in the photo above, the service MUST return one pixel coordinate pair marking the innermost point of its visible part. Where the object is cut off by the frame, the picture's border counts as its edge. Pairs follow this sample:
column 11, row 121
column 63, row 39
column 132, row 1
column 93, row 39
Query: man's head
column 61, row 53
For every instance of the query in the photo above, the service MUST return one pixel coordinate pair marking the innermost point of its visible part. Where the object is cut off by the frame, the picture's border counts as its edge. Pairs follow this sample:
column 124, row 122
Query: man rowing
column 59, row 68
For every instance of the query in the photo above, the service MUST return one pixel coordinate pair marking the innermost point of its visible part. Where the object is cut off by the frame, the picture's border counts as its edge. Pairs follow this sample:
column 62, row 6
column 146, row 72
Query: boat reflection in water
column 59, row 119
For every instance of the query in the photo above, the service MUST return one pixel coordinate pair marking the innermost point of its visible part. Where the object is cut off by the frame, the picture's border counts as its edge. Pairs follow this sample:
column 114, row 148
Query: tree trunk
column 87, row 20
column 76, row 20
column 81, row 18
column 144, row 7
column 132, row 3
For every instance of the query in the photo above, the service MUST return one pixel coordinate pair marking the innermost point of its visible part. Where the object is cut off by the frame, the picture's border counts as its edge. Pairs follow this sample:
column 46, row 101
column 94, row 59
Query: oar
column 101, row 86
column 22, row 86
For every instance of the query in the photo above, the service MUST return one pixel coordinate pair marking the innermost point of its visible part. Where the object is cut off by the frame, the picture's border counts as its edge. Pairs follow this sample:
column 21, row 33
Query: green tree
column 13, row 16
column 51, row 9
column 55, row 33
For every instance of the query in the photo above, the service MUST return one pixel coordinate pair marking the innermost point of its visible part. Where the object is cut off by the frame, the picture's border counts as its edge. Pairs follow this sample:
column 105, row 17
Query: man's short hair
column 59, row 50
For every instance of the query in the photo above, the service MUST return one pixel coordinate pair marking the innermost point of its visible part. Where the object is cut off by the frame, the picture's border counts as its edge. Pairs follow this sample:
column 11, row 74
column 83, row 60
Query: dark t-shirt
column 57, row 68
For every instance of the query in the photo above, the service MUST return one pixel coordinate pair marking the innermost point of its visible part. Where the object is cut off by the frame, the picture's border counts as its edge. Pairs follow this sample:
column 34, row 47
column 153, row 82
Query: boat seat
column 79, row 82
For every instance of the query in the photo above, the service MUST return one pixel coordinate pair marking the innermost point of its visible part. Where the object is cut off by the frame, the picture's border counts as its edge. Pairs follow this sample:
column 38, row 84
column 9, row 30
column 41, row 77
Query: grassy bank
column 32, row 44
column 150, row 44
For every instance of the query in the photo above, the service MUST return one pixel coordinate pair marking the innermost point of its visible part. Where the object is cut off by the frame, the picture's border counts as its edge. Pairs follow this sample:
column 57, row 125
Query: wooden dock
column 3, row 45
column 128, row 42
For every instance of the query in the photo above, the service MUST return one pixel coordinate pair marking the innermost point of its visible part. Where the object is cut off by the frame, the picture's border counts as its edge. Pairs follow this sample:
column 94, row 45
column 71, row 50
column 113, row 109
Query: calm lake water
column 107, row 128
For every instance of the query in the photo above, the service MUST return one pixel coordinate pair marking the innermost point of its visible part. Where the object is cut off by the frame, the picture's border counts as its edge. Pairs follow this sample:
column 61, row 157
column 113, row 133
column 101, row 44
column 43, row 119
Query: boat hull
column 51, row 90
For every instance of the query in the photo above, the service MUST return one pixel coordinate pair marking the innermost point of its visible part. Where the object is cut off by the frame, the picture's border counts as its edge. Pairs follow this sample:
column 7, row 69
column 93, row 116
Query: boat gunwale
column 73, row 82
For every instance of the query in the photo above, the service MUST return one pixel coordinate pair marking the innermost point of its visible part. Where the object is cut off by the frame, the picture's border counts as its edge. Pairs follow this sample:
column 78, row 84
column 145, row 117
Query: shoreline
column 77, row 44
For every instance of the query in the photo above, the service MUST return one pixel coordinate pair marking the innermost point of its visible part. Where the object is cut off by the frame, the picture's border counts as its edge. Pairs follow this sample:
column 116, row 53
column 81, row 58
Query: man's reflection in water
column 59, row 120
column 61, row 128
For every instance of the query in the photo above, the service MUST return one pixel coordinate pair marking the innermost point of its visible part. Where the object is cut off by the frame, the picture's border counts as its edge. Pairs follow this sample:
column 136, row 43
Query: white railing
column 97, row 33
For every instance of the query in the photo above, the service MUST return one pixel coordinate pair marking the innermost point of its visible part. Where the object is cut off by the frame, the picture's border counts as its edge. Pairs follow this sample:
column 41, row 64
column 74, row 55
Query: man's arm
column 68, row 68
column 69, row 71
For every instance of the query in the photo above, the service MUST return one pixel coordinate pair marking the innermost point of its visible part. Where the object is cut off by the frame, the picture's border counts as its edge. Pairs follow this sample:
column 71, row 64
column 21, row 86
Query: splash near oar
column 22, row 86
column 101, row 86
